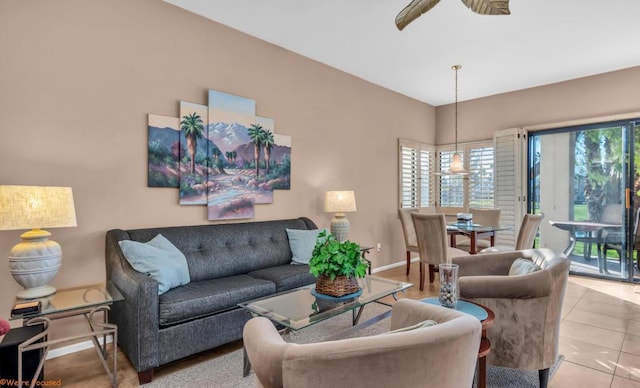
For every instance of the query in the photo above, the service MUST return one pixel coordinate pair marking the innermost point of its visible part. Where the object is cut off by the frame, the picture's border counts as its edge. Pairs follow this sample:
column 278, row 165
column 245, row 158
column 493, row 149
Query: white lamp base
column 34, row 262
column 34, row 293
column 340, row 227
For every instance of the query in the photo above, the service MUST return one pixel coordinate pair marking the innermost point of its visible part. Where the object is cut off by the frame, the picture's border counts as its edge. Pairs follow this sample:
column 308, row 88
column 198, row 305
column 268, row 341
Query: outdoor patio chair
column 613, row 241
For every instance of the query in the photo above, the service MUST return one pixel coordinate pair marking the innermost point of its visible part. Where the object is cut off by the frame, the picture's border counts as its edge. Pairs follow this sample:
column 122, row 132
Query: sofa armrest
column 486, row 263
column 265, row 348
column 136, row 315
column 533, row 285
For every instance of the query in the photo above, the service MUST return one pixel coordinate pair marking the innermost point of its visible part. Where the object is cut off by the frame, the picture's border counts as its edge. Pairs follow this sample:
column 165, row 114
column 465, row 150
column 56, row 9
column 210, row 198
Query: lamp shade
column 27, row 207
column 339, row 201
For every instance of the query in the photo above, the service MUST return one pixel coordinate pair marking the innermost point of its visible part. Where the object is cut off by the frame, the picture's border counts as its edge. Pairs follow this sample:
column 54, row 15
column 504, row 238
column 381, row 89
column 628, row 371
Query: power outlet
column 378, row 247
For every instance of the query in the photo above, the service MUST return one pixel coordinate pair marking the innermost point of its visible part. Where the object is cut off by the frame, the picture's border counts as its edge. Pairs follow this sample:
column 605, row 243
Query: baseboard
column 79, row 346
column 393, row 265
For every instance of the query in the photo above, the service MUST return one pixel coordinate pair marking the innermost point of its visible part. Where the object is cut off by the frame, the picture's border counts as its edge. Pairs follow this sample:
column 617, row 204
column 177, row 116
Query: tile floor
column 600, row 340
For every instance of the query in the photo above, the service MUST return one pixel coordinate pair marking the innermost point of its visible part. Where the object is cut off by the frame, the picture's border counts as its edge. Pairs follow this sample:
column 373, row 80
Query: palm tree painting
column 267, row 143
column 256, row 133
column 194, row 147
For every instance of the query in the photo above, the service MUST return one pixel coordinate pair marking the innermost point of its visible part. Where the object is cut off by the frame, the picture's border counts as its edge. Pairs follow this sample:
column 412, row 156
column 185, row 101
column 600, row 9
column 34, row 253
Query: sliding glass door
column 582, row 180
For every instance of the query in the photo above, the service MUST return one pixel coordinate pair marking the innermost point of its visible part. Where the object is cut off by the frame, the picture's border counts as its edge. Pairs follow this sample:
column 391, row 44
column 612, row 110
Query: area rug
column 225, row 370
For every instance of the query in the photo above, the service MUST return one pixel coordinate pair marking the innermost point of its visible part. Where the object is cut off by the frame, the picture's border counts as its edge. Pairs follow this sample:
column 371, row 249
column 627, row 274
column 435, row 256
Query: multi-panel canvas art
column 164, row 151
column 225, row 157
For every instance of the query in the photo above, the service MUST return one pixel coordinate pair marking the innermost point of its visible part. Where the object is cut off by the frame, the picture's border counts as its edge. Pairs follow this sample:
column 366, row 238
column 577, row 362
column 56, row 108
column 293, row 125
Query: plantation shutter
column 481, row 176
column 509, row 190
column 416, row 174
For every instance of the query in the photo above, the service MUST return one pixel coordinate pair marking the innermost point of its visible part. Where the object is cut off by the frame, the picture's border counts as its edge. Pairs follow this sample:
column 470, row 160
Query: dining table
column 474, row 232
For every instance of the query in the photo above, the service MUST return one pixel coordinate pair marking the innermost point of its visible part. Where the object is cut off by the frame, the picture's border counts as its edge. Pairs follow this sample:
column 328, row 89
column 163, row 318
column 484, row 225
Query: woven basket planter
column 341, row 286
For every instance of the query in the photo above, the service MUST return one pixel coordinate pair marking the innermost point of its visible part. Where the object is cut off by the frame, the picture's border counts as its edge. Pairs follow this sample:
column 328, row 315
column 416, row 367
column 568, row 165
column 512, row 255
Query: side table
column 364, row 250
column 88, row 301
column 487, row 318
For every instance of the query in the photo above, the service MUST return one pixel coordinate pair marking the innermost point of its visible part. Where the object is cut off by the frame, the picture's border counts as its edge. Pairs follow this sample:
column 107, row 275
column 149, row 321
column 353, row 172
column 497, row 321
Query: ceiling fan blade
column 412, row 11
column 488, row 7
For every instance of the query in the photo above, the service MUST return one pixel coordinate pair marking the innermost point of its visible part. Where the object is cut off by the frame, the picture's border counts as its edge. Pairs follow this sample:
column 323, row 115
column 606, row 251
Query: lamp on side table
column 339, row 202
column 35, row 261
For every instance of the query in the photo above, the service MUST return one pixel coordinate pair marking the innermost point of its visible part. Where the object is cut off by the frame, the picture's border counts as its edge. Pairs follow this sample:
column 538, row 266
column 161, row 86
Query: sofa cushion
column 302, row 243
column 523, row 267
column 206, row 297
column 286, row 277
column 159, row 259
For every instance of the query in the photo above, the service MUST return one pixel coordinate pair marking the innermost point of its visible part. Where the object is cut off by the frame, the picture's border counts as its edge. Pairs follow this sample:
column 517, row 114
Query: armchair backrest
column 528, row 231
column 411, row 358
column 431, row 233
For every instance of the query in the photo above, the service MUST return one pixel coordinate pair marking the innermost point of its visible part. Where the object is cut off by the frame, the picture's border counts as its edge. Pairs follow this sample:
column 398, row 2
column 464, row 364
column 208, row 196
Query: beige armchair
column 431, row 233
column 526, row 235
column 483, row 217
column 443, row 355
column 527, row 308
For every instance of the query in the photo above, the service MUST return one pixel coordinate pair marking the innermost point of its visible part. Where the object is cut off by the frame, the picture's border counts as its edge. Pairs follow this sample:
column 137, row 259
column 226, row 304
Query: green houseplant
column 336, row 265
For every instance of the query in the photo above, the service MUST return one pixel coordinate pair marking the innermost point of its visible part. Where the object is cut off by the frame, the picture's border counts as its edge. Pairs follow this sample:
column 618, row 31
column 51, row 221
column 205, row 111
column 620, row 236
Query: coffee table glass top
column 297, row 309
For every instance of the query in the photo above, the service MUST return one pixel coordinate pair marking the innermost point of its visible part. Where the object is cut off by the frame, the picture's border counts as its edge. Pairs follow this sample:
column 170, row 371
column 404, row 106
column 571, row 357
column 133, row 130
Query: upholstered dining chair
column 409, row 232
column 431, row 233
column 418, row 357
column 488, row 217
column 526, row 235
column 525, row 290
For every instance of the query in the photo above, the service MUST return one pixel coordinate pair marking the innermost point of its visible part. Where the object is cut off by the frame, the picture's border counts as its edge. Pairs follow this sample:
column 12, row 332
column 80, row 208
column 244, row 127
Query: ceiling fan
column 417, row 7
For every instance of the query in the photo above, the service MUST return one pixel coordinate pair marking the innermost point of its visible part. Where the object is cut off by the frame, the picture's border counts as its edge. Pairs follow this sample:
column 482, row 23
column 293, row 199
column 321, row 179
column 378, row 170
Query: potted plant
column 336, row 265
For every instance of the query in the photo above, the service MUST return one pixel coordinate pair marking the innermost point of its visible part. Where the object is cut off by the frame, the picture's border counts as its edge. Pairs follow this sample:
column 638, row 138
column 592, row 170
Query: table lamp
column 35, row 261
column 339, row 202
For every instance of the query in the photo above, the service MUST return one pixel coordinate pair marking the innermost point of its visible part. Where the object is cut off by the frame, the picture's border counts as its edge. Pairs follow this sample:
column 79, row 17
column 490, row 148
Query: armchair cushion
column 158, row 259
column 523, row 267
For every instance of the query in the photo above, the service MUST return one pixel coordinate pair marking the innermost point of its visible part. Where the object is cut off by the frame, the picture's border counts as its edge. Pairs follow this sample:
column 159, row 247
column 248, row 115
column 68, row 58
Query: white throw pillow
column 523, row 267
column 419, row 325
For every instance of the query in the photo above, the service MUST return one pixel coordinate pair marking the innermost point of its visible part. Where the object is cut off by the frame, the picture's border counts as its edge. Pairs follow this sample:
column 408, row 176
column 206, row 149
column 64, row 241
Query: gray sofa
column 228, row 264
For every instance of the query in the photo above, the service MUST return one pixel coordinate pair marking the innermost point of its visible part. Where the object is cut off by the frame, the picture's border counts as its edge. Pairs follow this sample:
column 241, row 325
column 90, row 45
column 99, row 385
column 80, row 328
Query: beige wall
column 78, row 78
column 600, row 95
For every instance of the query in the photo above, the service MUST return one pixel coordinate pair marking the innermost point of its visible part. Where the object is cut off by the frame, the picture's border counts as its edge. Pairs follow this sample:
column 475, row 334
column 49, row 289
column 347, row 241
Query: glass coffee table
column 300, row 308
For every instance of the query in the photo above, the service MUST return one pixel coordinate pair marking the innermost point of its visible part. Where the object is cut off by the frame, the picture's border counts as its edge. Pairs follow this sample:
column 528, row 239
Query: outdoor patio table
column 593, row 229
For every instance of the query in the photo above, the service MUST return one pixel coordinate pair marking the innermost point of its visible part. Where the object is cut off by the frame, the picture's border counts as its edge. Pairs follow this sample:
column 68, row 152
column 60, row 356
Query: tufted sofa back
column 221, row 250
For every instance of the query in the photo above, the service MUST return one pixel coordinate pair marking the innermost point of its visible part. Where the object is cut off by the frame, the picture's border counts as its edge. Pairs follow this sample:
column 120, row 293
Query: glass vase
column 448, row 285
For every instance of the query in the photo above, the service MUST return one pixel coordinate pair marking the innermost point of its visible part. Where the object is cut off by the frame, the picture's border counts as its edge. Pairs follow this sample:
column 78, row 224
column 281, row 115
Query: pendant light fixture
column 456, row 166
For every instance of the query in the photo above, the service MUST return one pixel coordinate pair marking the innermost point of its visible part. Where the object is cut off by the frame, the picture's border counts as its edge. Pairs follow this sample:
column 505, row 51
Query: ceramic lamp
column 35, row 261
column 339, row 202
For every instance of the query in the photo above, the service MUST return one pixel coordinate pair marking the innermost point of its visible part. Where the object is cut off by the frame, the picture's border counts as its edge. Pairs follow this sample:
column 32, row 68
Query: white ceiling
column 541, row 42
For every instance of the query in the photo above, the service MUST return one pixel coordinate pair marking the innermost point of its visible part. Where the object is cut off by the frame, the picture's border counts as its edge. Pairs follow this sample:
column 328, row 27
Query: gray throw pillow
column 523, row 267
column 302, row 243
column 158, row 259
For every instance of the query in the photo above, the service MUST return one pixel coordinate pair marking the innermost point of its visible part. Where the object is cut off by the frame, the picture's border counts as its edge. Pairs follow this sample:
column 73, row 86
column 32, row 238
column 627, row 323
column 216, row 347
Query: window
column 416, row 162
column 418, row 185
column 473, row 190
